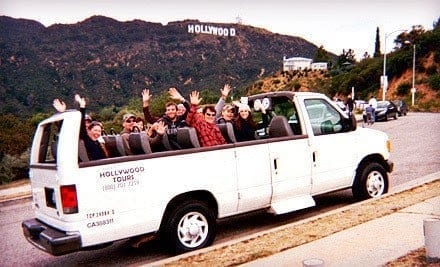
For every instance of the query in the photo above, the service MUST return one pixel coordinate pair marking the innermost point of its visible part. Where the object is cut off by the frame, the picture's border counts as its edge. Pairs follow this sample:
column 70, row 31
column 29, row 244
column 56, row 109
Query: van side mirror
column 352, row 122
column 349, row 124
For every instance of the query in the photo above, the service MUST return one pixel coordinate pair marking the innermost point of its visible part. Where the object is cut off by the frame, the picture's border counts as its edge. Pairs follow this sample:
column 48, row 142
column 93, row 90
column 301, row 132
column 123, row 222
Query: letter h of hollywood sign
column 211, row 30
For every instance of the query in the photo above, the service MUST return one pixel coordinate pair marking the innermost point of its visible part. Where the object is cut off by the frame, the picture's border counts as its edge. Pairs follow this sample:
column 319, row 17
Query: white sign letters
column 214, row 30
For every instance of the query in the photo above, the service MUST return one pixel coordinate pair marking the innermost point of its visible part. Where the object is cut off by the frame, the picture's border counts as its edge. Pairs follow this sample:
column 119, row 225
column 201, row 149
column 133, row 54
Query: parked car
column 385, row 110
column 402, row 107
column 360, row 104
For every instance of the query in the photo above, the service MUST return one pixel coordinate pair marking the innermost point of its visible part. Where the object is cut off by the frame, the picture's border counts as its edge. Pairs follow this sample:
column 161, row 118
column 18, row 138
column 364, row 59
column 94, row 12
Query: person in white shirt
column 373, row 103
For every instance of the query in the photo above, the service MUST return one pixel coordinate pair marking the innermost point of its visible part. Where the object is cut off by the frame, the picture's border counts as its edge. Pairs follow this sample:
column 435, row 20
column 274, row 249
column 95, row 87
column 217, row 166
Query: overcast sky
column 335, row 24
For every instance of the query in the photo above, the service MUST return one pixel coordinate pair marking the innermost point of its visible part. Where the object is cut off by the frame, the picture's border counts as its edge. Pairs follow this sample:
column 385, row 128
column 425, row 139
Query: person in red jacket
column 207, row 130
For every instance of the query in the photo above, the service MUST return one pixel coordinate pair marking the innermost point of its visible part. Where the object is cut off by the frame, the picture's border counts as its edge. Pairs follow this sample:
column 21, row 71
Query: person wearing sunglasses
column 154, row 135
column 207, row 130
column 128, row 123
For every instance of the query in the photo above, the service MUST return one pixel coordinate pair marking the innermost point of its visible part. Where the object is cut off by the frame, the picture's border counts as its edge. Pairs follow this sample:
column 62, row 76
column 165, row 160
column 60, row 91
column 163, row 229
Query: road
column 416, row 153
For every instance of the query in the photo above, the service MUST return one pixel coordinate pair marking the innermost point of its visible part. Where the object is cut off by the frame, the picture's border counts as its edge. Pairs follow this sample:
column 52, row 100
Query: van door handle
column 275, row 164
column 314, row 156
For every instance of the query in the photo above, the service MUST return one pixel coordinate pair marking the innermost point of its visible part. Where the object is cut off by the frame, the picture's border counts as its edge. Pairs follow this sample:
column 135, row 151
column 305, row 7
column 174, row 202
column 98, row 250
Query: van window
column 279, row 106
column 49, row 142
column 324, row 118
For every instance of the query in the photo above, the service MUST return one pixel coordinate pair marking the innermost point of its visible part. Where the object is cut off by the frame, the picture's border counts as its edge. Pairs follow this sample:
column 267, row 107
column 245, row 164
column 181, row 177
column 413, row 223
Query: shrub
column 403, row 89
column 434, row 82
column 431, row 69
column 14, row 167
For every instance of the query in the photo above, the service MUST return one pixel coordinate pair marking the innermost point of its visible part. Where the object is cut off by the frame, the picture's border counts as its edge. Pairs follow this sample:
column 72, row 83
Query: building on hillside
column 296, row 63
column 319, row 66
column 301, row 63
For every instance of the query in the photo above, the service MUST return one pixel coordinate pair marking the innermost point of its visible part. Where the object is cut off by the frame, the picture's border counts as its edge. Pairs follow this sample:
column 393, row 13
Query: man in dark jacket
column 171, row 120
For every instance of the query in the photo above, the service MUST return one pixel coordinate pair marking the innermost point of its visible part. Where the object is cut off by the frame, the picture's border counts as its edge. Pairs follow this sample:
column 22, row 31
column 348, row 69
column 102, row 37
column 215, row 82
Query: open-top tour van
column 305, row 146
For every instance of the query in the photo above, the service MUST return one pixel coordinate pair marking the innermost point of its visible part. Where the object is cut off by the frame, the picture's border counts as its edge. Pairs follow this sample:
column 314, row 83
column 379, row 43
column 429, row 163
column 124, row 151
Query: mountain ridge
column 112, row 61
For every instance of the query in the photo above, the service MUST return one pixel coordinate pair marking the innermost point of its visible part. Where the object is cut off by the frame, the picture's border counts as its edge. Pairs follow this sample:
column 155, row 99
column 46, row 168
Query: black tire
column 371, row 181
column 191, row 216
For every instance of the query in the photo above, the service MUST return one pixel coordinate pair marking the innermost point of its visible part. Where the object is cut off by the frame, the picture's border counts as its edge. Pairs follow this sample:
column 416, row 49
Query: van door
column 253, row 177
column 332, row 147
column 291, row 175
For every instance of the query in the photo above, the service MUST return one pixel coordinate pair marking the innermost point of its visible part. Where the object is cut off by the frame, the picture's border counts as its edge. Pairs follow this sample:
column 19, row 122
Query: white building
column 296, row 63
column 319, row 66
column 301, row 63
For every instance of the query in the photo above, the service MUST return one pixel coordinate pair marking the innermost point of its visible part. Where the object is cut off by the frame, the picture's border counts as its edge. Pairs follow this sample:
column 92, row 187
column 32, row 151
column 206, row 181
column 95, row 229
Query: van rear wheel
column 371, row 181
column 190, row 226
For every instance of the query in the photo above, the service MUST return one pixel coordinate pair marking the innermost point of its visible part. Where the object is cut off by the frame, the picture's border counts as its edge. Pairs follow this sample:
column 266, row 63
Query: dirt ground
column 286, row 238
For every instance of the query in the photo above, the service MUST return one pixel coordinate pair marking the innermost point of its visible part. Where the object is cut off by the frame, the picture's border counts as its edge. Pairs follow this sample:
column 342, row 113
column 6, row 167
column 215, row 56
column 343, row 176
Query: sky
column 334, row 24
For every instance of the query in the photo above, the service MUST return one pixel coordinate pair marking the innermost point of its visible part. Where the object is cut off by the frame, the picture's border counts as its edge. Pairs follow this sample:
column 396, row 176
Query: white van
column 305, row 146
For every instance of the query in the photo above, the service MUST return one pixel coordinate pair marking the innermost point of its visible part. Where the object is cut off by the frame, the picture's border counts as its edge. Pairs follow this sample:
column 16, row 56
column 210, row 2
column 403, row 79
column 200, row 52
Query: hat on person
column 228, row 107
column 128, row 116
column 87, row 117
column 244, row 107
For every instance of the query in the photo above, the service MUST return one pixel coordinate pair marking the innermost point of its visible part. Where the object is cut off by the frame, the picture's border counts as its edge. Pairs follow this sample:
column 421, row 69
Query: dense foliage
column 110, row 62
column 365, row 75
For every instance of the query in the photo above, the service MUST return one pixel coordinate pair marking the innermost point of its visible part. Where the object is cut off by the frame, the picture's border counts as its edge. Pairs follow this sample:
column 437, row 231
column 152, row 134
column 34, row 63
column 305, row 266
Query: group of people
column 184, row 114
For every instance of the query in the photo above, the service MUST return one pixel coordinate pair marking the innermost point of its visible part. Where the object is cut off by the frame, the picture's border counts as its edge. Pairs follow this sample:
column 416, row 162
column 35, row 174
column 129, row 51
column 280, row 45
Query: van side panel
column 117, row 201
column 254, row 177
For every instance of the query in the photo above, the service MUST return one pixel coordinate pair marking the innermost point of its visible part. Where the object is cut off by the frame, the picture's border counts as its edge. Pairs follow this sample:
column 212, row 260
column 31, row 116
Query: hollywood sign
column 221, row 31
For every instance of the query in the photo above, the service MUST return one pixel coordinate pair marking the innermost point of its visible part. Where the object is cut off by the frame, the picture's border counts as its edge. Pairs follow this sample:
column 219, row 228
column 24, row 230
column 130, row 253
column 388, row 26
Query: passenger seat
column 114, row 145
column 187, row 137
column 279, row 127
column 139, row 143
column 227, row 132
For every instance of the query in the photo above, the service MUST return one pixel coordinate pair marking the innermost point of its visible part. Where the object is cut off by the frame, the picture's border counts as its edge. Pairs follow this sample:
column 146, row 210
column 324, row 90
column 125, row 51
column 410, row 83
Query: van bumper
column 50, row 239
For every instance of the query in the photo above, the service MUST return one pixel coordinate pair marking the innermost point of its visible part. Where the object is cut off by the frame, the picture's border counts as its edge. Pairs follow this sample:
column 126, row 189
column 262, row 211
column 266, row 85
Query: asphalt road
column 416, row 153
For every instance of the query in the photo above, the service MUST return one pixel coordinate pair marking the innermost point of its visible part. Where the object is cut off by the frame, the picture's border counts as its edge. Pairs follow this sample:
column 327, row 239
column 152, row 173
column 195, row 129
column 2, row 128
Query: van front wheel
column 191, row 226
column 371, row 181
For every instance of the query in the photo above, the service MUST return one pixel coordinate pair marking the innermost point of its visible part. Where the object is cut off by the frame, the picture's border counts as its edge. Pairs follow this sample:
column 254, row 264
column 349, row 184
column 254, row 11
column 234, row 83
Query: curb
column 14, row 193
column 398, row 189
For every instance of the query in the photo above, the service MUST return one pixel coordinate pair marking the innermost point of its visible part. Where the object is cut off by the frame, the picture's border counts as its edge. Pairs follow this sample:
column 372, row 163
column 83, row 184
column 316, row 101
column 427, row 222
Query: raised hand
column 225, row 91
column 146, row 97
column 175, row 95
column 194, row 98
column 81, row 101
column 160, row 128
column 59, row 105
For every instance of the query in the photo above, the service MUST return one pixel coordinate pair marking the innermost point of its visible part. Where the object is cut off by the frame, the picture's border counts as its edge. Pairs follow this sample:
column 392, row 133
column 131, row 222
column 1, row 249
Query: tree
column 346, row 58
column 436, row 24
column 377, row 44
column 409, row 38
column 321, row 55
column 366, row 55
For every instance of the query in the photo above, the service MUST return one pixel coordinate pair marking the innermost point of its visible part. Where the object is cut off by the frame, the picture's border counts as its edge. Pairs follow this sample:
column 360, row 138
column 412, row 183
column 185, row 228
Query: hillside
column 364, row 76
column 111, row 61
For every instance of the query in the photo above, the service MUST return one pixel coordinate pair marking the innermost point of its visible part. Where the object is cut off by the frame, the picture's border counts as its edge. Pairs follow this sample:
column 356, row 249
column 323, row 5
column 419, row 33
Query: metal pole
column 384, row 77
column 413, row 89
column 384, row 86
